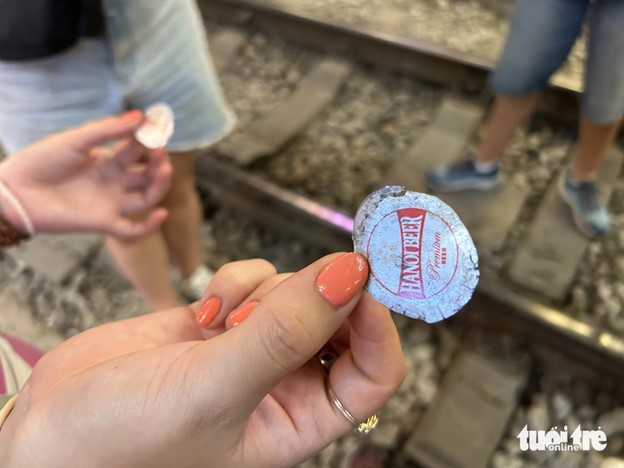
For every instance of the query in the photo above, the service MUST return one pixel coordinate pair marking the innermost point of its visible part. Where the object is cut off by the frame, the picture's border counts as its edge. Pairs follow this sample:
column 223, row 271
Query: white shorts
column 154, row 51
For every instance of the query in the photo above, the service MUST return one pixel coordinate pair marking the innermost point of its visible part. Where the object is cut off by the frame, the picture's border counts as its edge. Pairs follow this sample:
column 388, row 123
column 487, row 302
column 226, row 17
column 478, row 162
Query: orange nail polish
column 239, row 315
column 131, row 116
column 208, row 311
column 340, row 280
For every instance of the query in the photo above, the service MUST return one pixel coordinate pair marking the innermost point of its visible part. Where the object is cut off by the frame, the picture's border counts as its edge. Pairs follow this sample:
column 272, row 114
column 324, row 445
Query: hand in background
column 95, row 177
column 156, row 391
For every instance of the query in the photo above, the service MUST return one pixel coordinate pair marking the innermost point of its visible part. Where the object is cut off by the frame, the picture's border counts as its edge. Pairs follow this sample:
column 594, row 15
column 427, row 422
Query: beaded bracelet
column 17, row 206
column 9, row 236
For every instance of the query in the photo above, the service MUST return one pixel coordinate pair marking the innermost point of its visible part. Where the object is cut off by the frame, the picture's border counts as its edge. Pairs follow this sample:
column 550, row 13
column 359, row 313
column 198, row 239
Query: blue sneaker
column 462, row 175
column 590, row 214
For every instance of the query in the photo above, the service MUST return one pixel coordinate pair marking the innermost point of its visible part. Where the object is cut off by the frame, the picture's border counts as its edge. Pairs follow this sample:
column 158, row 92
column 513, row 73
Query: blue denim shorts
column 155, row 51
column 542, row 32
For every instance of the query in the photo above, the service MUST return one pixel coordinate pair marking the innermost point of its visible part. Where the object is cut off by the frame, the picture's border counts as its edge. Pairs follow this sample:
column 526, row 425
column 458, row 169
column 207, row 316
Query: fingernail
column 208, row 311
column 340, row 280
column 131, row 116
column 239, row 315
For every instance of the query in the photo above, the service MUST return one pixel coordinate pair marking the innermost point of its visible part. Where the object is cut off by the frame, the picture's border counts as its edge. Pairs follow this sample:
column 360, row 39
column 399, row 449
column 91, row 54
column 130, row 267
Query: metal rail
column 319, row 225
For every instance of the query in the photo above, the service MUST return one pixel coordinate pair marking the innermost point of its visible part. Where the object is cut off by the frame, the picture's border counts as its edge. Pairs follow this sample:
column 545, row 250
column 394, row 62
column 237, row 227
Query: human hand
column 90, row 178
column 151, row 392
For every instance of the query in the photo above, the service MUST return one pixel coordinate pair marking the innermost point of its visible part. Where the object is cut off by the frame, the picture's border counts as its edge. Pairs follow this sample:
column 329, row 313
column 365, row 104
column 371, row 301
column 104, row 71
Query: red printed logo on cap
column 420, row 251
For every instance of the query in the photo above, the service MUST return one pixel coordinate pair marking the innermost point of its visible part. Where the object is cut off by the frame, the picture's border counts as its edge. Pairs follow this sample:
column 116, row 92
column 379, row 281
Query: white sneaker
column 195, row 284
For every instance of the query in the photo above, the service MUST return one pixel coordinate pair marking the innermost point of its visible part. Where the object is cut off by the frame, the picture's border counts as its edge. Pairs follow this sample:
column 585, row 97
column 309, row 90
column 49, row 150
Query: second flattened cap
column 157, row 128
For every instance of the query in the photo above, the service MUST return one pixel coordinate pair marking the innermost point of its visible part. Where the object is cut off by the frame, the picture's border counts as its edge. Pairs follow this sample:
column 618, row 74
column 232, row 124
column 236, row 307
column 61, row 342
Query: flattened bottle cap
column 157, row 128
column 422, row 260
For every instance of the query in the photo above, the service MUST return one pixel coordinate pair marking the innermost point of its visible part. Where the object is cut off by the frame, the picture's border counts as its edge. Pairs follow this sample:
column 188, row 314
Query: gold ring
column 364, row 427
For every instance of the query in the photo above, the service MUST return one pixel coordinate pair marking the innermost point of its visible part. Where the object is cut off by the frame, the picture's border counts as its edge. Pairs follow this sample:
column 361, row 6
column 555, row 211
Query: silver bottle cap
column 423, row 262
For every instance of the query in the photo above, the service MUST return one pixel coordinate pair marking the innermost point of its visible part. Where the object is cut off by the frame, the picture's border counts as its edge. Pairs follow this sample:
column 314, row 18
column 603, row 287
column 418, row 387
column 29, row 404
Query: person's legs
column 540, row 38
column 479, row 171
column 507, row 114
column 541, row 35
column 594, row 140
column 578, row 187
column 182, row 229
column 602, row 108
column 145, row 264
column 602, row 104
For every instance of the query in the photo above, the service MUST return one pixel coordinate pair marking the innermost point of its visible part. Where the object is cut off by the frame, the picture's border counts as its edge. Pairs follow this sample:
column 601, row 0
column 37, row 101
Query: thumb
column 292, row 322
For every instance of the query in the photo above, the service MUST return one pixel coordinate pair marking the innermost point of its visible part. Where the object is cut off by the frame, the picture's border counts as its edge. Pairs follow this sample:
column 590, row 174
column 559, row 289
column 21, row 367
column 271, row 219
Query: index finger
column 231, row 285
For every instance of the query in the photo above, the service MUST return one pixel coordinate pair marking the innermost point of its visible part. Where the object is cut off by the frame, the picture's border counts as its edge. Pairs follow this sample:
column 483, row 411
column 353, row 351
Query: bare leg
column 506, row 115
column 182, row 229
column 145, row 264
column 594, row 140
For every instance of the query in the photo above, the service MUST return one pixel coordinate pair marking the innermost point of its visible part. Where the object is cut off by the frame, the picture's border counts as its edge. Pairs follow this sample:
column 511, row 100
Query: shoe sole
column 577, row 219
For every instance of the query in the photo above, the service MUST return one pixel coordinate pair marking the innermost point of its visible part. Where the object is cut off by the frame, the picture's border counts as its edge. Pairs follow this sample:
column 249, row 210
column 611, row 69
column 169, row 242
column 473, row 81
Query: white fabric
column 16, row 370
